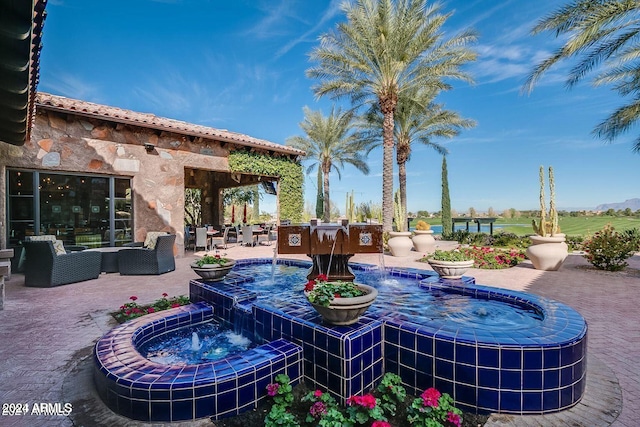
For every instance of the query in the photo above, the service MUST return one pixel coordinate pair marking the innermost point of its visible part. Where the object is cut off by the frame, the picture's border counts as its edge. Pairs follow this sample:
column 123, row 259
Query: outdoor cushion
column 152, row 238
column 57, row 244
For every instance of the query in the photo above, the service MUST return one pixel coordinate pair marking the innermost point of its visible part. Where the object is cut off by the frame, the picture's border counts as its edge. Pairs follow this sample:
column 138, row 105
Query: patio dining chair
column 248, row 238
column 201, row 238
column 221, row 241
column 265, row 236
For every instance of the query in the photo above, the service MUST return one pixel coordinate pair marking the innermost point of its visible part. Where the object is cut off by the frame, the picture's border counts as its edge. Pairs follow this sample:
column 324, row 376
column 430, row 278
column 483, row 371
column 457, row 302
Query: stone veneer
column 63, row 142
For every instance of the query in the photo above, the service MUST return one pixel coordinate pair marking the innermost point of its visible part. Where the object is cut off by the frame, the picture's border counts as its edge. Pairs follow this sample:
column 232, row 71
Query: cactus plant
column 399, row 214
column 547, row 227
column 350, row 208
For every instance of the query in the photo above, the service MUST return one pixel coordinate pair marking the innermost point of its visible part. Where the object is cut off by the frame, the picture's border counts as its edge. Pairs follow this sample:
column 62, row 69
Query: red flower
column 317, row 393
column 368, row 401
column 217, row 256
column 430, row 397
column 133, row 298
column 380, row 424
column 454, row 419
column 164, row 294
column 151, row 310
column 309, row 286
column 337, row 295
column 354, row 400
column 322, row 277
column 174, row 305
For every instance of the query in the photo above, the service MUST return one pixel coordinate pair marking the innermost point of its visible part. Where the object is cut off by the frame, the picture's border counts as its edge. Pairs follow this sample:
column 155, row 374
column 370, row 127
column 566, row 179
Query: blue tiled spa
column 532, row 369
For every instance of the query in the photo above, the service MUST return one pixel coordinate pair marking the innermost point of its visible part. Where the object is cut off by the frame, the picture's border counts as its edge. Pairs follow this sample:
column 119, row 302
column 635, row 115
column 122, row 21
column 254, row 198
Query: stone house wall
column 64, row 142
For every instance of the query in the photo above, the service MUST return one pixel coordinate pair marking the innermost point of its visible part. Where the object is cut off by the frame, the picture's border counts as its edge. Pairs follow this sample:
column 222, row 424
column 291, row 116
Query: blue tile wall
column 531, row 372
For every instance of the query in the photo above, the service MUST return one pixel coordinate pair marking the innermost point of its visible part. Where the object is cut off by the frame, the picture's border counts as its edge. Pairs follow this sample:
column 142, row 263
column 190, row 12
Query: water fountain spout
column 196, row 345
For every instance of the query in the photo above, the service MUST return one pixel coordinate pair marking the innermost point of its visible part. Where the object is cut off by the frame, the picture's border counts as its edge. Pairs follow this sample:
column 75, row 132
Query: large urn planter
column 400, row 243
column 423, row 241
column 347, row 311
column 547, row 252
column 450, row 269
column 213, row 272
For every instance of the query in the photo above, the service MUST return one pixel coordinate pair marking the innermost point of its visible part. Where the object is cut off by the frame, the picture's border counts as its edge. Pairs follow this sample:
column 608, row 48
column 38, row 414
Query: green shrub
column 609, row 250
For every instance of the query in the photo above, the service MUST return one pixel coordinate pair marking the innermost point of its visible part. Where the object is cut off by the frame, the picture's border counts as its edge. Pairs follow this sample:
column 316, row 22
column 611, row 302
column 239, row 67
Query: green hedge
column 290, row 191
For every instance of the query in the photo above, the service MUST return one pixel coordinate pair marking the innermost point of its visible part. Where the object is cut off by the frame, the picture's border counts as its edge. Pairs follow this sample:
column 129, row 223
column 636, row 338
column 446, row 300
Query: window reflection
column 91, row 211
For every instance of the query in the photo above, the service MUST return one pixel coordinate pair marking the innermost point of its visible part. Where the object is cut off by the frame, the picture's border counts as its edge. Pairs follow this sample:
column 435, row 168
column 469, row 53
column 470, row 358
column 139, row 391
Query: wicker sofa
column 138, row 260
column 44, row 268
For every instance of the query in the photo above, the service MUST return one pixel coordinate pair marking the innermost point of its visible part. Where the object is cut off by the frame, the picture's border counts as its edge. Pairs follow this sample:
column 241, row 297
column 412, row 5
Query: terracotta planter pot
column 423, row 241
column 213, row 272
column 450, row 269
column 400, row 243
column 547, row 253
column 346, row 311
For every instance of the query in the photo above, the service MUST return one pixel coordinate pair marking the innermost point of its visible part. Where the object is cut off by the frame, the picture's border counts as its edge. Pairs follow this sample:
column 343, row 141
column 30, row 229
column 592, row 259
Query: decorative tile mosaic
column 365, row 239
column 295, row 239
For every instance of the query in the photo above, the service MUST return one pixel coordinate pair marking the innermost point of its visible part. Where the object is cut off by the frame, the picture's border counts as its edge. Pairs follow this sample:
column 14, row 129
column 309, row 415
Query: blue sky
column 241, row 66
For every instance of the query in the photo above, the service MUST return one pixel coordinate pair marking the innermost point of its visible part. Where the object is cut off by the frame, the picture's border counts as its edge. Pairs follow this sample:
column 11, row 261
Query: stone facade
column 64, row 142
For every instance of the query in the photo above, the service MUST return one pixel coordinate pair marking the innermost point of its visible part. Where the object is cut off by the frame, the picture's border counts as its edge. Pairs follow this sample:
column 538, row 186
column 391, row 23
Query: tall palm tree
column 599, row 34
column 418, row 118
column 331, row 143
column 387, row 48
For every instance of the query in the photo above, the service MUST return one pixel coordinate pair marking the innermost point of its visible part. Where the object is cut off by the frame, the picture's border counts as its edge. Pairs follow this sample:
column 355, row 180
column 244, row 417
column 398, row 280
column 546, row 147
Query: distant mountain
column 633, row 204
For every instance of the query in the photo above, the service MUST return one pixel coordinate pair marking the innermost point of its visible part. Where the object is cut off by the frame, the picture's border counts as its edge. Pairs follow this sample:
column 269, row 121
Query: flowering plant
column 423, row 225
column 431, row 409
column 320, row 291
column 212, row 259
column 434, row 408
column 483, row 257
column 452, row 255
column 132, row 309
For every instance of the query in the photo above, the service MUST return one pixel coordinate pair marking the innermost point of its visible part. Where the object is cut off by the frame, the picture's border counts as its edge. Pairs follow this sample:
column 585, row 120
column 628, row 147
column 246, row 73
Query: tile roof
column 151, row 121
column 21, row 25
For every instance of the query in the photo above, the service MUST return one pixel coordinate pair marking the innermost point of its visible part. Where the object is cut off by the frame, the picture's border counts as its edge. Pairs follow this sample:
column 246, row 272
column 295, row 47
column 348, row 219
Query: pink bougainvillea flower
column 164, row 294
column 151, row 310
column 272, row 389
column 380, row 424
column 430, row 397
column 317, row 393
column 133, row 298
column 454, row 419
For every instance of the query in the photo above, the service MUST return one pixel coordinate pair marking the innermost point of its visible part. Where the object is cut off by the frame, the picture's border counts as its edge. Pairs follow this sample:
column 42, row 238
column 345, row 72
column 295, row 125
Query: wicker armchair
column 44, row 268
column 139, row 260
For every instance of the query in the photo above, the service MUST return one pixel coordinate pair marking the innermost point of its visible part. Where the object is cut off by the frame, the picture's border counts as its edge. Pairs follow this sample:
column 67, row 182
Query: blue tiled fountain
column 534, row 368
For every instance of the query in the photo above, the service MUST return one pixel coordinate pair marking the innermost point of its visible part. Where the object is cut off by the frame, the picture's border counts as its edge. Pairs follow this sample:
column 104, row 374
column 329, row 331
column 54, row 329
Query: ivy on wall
column 290, row 190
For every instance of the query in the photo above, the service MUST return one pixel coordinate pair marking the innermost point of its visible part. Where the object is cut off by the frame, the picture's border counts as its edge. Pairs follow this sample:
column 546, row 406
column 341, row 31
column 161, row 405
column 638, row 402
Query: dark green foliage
column 447, row 222
column 609, row 250
column 320, row 196
column 290, row 188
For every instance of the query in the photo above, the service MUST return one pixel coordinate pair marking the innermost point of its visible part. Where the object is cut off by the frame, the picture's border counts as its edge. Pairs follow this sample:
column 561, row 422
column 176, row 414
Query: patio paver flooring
column 46, row 335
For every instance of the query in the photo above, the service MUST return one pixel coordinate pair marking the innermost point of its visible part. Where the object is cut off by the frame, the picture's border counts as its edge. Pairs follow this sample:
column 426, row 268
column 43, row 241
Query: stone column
column 5, row 271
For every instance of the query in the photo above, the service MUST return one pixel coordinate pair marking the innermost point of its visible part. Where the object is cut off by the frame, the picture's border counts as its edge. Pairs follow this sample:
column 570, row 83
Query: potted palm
column 548, row 249
column 423, row 240
column 399, row 243
column 213, row 267
column 450, row 264
column 339, row 302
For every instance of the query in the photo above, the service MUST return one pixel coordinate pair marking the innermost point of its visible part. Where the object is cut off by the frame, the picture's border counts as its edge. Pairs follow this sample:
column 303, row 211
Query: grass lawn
column 571, row 226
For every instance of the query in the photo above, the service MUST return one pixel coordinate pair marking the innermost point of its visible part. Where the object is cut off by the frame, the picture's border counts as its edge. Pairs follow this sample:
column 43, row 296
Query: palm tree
column 599, row 33
column 418, row 118
column 385, row 49
column 331, row 142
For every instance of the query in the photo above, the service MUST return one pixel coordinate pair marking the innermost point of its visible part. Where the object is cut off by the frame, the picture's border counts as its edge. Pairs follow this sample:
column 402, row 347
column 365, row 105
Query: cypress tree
column 446, row 201
column 320, row 196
